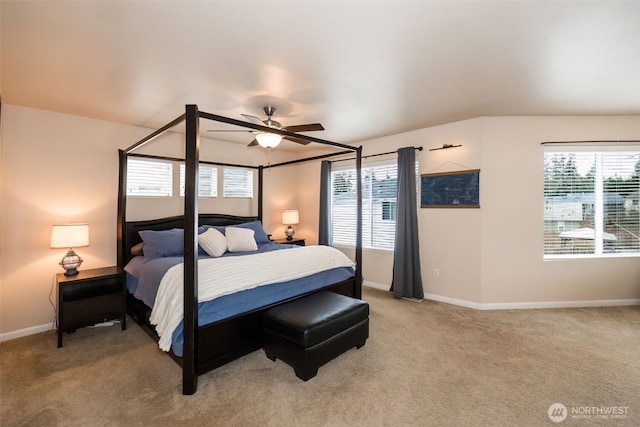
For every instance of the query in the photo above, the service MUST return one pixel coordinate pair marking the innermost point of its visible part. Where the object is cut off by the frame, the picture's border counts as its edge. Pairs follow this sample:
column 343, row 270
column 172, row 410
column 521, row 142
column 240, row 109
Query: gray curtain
column 325, row 188
column 407, row 277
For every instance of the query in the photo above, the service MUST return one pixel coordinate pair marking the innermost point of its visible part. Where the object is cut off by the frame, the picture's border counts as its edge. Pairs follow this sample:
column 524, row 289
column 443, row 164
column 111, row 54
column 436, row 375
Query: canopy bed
column 210, row 335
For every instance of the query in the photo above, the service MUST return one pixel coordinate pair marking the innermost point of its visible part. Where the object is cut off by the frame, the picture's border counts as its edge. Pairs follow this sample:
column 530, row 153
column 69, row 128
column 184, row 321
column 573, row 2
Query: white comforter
column 223, row 276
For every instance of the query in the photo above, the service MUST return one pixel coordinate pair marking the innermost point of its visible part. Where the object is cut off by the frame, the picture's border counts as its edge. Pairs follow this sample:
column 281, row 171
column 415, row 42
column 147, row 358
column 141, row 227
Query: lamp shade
column 290, row 217
column 69, row 236
column 268, row 140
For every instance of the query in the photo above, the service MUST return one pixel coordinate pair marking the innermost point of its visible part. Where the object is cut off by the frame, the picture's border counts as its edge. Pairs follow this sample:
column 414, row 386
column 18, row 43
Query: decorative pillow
column 259, row 235
column 201, row 230
column 220, row 228
column 163, row 243
column 136, row 250
column 240, row 239
column 213, row 242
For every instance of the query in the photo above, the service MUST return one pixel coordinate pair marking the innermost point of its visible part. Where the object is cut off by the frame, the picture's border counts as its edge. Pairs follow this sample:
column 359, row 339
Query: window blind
column 591, row 201
column 149, row 178
column 207, row 180
column 379, row 194
column 237, row 182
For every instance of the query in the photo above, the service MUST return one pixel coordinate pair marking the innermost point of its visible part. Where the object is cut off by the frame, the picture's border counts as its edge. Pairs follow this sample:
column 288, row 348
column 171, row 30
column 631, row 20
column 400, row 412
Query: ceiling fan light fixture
column 268, row 140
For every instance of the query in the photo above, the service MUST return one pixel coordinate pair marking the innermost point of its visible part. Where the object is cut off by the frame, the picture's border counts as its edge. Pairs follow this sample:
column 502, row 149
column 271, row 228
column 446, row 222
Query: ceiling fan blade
column 305, row 128
column 254, row 119
column 253, row 143
column 298, row 140
column 222, row 130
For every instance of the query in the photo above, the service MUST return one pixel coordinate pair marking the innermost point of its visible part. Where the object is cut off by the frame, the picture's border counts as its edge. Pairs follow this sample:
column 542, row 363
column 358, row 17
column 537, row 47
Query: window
column 237, row 182
column 389, row 211
column 379, row 187
column 149, row 178
column 207, row 180
column 591, row 201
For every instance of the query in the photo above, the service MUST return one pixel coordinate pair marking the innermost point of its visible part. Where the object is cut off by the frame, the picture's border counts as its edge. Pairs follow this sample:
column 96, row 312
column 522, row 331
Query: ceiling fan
column 270, row 140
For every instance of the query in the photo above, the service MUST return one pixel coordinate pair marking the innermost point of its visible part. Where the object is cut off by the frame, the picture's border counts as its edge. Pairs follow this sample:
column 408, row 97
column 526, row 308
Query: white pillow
column 240, row 239
column 213, row 242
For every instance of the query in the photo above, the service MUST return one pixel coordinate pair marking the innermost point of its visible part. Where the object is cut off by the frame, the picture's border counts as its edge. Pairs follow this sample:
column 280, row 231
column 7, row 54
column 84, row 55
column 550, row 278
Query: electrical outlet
column 436, row 272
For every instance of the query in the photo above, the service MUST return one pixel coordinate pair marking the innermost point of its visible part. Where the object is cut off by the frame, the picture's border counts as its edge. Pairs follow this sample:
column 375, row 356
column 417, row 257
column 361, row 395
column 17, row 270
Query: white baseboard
column 530, row 305
column 559, row 304
column 517, row 305
column 454, row 301
column 375, row 285
column 25, row 332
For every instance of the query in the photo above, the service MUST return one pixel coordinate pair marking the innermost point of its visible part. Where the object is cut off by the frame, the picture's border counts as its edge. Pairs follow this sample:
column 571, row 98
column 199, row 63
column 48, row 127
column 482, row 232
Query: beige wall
column 512, row 215
column 492, row 257
column 60, row 168
column 449, row 238
column 56, row 168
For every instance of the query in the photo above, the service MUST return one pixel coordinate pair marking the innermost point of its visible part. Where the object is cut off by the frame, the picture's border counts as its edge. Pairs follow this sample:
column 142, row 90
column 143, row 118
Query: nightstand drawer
column 90, row 311
column 92, row 288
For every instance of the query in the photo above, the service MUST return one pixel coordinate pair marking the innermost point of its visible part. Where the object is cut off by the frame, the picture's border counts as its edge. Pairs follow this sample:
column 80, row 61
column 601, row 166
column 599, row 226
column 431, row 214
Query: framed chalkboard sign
column 459, row 189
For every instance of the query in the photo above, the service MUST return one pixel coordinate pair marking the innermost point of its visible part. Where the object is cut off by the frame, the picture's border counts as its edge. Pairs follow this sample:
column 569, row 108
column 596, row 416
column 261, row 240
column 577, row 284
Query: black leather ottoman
column 309, row 332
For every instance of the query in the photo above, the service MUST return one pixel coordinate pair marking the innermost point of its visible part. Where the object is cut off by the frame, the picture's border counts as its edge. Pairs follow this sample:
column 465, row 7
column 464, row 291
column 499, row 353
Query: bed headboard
column 130, row 236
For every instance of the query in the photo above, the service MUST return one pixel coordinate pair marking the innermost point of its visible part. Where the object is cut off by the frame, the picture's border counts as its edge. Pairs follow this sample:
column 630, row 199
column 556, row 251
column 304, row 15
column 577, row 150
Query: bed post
column 122, row 207
column 192, row 159
column 358, row 277
column 260, row 183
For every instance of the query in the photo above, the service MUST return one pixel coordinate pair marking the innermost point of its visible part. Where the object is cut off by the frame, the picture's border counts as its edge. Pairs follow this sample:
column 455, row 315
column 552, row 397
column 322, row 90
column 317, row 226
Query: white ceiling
column 364, row 69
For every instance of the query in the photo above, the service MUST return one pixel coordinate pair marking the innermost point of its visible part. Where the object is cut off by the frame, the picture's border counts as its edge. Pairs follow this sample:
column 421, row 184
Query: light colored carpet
column 425, row 364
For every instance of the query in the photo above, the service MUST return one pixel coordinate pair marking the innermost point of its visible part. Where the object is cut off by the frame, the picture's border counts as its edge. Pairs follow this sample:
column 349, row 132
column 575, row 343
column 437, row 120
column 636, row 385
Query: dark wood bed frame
column 209, row 346
column 227, row 339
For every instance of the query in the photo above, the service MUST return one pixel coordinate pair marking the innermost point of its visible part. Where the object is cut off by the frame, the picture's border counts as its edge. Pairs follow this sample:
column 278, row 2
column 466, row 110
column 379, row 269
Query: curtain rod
column 373, row 155
column 591, row 142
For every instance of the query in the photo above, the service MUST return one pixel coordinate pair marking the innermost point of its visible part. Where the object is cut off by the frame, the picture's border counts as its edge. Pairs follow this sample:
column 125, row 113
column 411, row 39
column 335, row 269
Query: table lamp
column 70, row 236
column 290, row 217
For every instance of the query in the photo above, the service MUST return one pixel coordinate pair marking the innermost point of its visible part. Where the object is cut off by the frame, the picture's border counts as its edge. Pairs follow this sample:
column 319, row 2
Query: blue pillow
column 166, row 243
column 163, row 243
column 259, row 234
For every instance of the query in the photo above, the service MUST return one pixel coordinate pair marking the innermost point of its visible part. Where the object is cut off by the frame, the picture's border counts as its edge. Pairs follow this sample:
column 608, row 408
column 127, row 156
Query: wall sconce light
column 70, row 236
column 444, row 147
column 290, row 217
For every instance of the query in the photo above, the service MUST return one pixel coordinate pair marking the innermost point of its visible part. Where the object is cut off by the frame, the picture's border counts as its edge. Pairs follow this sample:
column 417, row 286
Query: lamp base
column 289, row 232
column 70, row 262
column 71, row 272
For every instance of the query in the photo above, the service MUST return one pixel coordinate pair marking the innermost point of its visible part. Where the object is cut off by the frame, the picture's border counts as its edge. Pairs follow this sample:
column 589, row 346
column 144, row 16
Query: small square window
column 237, row 183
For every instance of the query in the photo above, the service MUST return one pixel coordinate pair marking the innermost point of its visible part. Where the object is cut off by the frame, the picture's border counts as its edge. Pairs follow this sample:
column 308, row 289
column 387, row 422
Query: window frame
column 369, row 223
column 600, row 220
column 250, row 182
column 168, row 177
column 181, row 180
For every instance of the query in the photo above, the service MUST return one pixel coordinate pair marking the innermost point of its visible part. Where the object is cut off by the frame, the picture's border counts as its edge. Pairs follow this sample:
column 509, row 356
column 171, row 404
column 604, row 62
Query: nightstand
column 299, row 242
column 91, row 296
